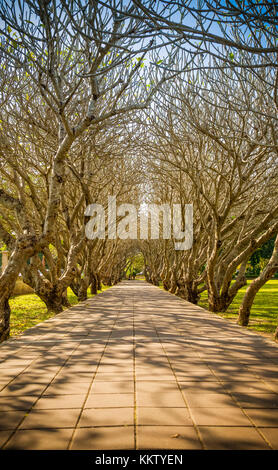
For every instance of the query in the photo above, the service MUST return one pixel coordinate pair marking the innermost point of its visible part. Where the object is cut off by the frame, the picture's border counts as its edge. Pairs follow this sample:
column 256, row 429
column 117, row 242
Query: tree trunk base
column 53, row 302
column 82, row 297
column 5, row 321
column 243, row 318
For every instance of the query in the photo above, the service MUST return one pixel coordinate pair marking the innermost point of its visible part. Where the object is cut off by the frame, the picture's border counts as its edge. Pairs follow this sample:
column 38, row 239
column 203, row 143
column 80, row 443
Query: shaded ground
column 136, row 367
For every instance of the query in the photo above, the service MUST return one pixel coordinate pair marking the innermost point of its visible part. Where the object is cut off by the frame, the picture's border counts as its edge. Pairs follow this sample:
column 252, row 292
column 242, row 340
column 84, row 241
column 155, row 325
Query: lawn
column 28, row 310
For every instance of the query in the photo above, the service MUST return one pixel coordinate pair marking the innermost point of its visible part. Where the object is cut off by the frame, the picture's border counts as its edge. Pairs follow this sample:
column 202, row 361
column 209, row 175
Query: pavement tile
column 47, row 369
column 116, row 369
column 257, row 400
column 208, row 400
column 4, row 436
column 39, row 419
column 164, row 416
column 14, row 364
column 236, row 376
column 189, row 364
column 63, row 387
column 40, row 439
column 106, row 417
column 266, row 374
column 48, row 361
column 28, row 377
column 163, row 399
column 272, row 384
column 201, row 387
column 112, row 387
column 71, row 376
column 79, row 368
column 167, row 437
column 103, row 438
column 201, row 375
column 22, row 389
column 264, row 417
column 109, row 377
column 232, row 438
column 153, row 369
column 110, row 400
column 17, row 403
column 10, row 419
column 4, row 384
column 158, row 365
column 247, row 387
column 233, row 369
column 59, row 402
column 10, row 373
column 157, row 386
column 271, row 435
column 231, row 416
column 150, row 377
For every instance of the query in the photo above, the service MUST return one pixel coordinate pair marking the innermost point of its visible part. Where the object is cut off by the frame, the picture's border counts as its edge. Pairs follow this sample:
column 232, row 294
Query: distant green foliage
column 135, row 265
column 260, row 258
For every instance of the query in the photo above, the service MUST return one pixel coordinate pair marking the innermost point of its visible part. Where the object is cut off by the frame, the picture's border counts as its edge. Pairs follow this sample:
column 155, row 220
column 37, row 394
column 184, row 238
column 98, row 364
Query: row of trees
column 214, row 142
column 69, row 72
column 149, row 101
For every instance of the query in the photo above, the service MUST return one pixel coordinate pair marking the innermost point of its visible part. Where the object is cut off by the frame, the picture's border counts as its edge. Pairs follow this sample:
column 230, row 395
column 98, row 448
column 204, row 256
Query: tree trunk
column 53, row 302
column 75, row 287
column 187, row 291
column 229, row 290
column 53, row 295
column 24, row 248
column 5, row 313
column 192, row 294
column 155, row 280
column 173, row 284
column 266, row 274
column 181, row 290
column 247, row 302
column 173, row 281
column 108, row 281
column 65, row 300
column 215, row 303
column 221, row 302
column 93, row 284
column 165, row 277
column 166, row 284
column 98, row 282
column 82, row 292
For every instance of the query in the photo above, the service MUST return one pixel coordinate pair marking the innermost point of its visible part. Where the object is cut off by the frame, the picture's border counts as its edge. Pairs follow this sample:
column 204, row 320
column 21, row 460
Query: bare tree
column 77, row 67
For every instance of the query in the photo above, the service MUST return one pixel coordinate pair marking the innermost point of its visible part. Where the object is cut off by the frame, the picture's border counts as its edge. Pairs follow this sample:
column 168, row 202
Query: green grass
column 264, row 312
column 28, row 310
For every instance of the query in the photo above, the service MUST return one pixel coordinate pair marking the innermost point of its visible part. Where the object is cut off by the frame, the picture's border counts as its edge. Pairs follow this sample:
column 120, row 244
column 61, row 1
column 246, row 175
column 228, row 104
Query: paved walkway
column 138, row 368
